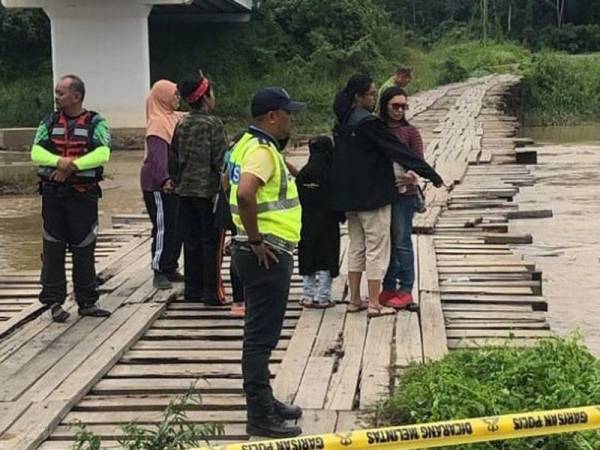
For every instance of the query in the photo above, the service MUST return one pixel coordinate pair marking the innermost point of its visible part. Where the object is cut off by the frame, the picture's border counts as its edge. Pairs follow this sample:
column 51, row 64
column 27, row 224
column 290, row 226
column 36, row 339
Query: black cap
column 272, row 99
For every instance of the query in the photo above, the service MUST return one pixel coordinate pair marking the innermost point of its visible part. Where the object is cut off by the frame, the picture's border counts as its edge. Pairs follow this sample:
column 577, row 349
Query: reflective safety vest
column 278, row 209
column 73, row 143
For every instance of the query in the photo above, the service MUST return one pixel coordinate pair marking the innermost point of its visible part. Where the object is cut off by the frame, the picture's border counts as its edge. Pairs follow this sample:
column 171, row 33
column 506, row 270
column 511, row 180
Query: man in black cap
column 266, row 211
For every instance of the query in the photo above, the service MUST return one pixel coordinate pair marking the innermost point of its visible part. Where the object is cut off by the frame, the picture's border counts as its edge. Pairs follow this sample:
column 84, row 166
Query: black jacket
column 362, row 176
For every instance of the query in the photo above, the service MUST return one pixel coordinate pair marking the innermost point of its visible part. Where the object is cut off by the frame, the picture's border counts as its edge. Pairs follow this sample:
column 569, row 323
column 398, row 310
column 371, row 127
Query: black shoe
column 271, row 426
column 160, row 281
column 175, row 277
column 59, row 315
column 93, row 311
column 287, row 412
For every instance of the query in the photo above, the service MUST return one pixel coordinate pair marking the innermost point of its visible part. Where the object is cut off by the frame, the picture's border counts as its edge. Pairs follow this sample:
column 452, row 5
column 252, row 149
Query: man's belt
column 269, row 239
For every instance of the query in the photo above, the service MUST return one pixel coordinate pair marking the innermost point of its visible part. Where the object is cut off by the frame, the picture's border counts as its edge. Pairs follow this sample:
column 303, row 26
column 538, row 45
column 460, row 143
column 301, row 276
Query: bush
column 561, row 89
column 556, row 373
column 25, row 101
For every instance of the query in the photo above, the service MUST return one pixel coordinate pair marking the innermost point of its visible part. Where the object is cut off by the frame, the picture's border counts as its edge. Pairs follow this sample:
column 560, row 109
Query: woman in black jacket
column 362, row 180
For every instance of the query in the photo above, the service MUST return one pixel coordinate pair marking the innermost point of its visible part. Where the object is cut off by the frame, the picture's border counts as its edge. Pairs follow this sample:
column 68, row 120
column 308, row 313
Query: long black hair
column 344, row 100
column 386, row 96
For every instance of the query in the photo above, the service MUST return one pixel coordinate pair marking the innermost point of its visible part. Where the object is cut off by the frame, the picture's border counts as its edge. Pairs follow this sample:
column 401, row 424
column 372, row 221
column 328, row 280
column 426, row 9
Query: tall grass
column 562, row 89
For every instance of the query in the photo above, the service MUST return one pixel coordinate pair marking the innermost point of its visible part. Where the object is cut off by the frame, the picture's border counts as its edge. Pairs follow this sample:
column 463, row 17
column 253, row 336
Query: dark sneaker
column 175, row 277
column 287, row 412
column 272, row 426
column 59, row 315
column 93, row 311
column 161, row 281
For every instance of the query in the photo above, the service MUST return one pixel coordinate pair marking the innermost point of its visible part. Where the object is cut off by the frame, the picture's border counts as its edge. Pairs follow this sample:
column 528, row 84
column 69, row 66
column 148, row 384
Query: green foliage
column 571, row 38
column 561, row 89
column 173, row 433
column 556, row 373
column 25, row 101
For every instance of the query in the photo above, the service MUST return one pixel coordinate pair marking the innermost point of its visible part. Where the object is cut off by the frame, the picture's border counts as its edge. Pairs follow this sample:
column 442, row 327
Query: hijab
column 319, row 162
column 160, row 115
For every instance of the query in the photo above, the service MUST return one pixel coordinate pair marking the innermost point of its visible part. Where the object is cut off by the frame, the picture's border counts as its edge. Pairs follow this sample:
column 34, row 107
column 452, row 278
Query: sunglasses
column 399, row 106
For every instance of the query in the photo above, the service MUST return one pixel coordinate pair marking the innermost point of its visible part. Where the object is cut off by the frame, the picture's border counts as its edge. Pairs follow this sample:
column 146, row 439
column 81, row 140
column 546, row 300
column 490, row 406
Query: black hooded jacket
column 362, row 176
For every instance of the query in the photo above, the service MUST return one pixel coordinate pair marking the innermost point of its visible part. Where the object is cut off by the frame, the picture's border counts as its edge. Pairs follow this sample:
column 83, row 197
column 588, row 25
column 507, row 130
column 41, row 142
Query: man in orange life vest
column 70, row 147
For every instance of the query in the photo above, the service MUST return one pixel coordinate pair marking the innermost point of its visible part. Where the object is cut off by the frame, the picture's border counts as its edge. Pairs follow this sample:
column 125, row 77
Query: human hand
column 264, row 254
column 65, row 164
column 407, row 179
column 168, row 186
column 59, row 176
column 227, row 248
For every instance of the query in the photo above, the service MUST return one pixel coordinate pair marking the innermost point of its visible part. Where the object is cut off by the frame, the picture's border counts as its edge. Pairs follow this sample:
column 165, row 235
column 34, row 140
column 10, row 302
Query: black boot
column 271, row 426
column 264, row 422
column 287, row 412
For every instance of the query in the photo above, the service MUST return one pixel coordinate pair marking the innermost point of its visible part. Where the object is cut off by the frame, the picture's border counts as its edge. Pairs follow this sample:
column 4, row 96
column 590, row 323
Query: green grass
column 556, row 373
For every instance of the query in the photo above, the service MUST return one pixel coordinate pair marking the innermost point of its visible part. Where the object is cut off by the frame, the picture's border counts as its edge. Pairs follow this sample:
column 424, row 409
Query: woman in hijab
column 158, row 188
column 319, row 247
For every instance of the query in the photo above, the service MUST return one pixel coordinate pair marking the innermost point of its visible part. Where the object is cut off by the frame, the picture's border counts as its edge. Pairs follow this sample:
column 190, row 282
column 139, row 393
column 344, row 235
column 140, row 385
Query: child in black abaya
column 319, row 247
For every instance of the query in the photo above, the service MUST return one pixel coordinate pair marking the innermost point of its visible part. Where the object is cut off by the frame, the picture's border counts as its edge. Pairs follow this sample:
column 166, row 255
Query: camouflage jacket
column 196, row 155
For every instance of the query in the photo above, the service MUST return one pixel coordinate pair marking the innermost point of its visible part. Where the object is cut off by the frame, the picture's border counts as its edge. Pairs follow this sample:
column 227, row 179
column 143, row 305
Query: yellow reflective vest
column 278, row 209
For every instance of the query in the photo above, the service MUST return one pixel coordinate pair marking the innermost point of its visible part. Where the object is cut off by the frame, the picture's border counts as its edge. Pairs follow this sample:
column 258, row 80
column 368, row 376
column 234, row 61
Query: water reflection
column 20, row 220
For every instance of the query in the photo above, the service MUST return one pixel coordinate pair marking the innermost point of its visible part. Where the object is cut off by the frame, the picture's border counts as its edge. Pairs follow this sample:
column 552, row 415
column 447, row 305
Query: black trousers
column 201, row 247
column 163, row 210
column 70, row 220
column 266, row 294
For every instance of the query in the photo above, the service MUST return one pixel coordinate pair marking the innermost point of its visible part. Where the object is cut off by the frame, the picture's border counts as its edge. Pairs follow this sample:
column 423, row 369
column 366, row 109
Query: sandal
column 307, row 303
column 354, row 308
column 58, row 314
column 323, row 305
column 379, row 311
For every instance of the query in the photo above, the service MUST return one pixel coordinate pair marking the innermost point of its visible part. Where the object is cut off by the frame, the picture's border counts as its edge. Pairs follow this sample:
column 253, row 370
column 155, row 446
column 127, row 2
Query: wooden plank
column 348, row 421
column 317, row 422
column 290, row 373
column 184, row 356
column 150, row 417
column 409, row 347
column 499, row 333
column 344, row 383
column 184, row 370
column 159, row 403
column 330, row 331
column 133, row 386
column 315, row 382
column 36, row 426
column 377, row 359
column 432, row 316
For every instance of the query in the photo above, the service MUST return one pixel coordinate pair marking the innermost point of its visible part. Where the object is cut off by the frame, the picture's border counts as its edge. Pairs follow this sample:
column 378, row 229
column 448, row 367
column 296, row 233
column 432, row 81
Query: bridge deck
column 472, row 286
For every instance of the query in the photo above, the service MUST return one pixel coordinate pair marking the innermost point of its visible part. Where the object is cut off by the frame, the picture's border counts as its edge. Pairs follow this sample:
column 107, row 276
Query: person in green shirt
column 401, row 78
column 70, row 147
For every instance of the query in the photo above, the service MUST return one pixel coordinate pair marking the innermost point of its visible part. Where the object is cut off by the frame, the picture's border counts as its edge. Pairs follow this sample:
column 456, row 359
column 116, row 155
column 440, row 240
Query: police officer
column 266, row 211
column 70, row 146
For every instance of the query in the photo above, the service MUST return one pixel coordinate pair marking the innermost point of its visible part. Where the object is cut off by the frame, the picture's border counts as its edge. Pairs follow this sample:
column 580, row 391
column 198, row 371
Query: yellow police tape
column 439, row 434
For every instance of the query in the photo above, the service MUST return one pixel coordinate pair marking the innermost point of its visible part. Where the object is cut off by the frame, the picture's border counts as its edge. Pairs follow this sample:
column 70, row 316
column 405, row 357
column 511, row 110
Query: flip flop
column 380, row 311
column 59, row 315
column 354, row 308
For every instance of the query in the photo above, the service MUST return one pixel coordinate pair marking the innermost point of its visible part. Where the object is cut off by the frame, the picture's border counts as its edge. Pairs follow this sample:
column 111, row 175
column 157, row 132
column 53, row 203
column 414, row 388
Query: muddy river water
column 566, row 247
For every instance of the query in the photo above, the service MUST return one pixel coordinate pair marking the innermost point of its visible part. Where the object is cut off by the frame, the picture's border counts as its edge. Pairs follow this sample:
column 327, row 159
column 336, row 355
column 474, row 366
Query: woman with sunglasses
column 400, row 277
column 362, row 180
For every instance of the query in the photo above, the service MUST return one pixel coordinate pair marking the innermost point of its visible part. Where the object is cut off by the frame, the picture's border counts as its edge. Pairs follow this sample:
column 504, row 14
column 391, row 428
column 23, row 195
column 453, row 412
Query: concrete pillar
column 106, row 44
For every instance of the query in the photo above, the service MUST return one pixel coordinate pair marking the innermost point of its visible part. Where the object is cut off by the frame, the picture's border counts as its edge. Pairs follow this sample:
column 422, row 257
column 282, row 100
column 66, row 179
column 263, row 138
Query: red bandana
column 198, row 93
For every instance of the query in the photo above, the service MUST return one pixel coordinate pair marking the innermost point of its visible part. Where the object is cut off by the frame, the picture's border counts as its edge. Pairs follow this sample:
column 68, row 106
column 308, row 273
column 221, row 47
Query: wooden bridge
column 472, row 286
